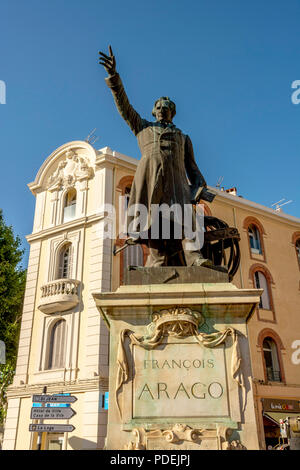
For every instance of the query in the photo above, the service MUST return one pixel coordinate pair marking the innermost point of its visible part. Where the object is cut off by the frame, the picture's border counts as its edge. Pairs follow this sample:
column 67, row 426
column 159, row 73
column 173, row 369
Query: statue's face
column 163, row 111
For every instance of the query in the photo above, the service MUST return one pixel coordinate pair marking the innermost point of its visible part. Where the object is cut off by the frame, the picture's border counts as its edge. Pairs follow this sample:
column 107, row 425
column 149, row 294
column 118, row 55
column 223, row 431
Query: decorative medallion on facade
column 73, row 168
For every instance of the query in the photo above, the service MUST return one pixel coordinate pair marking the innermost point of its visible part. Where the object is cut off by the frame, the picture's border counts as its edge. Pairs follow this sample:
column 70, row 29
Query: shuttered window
column 254, row 238
column 262, row 283
column 64, row 262
column 57, row 341
column 271, row 360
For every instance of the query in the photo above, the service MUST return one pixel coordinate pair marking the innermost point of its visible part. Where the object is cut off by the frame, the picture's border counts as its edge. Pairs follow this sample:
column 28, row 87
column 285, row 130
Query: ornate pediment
column 73, row 168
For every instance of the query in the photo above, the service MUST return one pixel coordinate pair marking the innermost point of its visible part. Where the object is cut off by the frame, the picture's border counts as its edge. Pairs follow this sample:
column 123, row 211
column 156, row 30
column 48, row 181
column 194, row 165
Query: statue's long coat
column 167, row 157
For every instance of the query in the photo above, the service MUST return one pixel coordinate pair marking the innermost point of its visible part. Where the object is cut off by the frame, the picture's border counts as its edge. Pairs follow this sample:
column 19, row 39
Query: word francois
column 178, row 364
column 197, row 390
column 2, row 92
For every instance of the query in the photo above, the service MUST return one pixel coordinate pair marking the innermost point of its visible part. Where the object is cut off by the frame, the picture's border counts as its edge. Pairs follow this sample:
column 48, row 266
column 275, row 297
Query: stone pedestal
column 180, row 374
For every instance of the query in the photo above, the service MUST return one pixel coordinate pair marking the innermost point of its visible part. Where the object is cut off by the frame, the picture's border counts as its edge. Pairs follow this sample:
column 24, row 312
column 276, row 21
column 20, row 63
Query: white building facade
column 63, row 342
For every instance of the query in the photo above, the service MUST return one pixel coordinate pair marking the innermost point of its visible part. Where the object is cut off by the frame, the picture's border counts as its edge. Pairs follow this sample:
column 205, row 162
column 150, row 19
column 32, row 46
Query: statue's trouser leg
column 157, row 255
column 163, row 250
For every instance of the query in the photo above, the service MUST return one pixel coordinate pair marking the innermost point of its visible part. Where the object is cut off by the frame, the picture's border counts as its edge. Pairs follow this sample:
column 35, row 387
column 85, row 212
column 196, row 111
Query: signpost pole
column 39, row 439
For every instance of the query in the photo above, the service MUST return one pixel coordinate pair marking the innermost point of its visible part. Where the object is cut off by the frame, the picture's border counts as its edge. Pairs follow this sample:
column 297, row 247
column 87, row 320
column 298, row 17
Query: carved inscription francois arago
column 179, row 380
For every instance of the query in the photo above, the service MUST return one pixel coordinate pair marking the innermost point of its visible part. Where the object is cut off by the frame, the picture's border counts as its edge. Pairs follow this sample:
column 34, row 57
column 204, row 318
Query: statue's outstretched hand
column 108, row 62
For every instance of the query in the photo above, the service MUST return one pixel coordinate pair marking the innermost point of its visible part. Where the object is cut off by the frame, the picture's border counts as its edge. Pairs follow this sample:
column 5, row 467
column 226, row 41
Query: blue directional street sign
column 106, row 401
column 54, row 405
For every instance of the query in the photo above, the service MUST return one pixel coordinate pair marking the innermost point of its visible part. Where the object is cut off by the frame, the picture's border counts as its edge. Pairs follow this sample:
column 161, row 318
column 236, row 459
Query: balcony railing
column 59, row 295
column 273, row 375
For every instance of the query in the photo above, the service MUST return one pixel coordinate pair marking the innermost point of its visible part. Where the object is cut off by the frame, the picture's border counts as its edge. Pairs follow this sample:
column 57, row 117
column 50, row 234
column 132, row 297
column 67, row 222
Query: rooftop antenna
column 278, row 205
column 91, row 138
column 219, row 181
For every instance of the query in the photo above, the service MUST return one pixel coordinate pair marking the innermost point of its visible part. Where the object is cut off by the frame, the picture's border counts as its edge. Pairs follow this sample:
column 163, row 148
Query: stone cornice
column 257, row 209
column 210, row 297
column 276, row 389
column 76, row 223
column 78, row 386
column 115, row 159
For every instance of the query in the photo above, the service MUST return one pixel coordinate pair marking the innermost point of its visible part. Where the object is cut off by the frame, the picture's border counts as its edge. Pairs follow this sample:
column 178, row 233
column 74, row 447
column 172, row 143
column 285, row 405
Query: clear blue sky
column 228, row 65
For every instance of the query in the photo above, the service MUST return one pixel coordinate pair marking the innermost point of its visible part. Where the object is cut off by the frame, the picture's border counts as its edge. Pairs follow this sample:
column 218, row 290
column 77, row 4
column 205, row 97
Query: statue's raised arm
column 114, row 82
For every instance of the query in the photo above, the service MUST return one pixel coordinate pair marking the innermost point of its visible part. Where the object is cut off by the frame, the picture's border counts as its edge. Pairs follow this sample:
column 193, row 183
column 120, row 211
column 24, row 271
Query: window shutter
column 57, row 345
column 265, row 301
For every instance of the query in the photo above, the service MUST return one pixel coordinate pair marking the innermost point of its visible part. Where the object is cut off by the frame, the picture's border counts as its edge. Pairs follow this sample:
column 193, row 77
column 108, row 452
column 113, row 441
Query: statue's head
column 164, row 109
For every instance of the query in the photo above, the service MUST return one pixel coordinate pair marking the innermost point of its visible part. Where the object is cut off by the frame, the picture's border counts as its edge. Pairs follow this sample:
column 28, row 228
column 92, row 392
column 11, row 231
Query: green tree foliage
column 6, row 377
column 12, row 285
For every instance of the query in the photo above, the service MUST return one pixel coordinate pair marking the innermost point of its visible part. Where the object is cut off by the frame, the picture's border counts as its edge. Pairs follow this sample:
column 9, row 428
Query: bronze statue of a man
column 167, row 172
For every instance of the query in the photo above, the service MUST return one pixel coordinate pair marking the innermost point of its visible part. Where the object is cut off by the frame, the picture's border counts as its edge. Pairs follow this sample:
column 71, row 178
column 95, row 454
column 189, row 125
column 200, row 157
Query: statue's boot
column 202, row 262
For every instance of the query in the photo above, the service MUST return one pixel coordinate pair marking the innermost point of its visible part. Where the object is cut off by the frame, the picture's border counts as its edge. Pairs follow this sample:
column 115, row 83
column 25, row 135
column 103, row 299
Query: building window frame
column 71, row 333
column 252, row 223
column 69, row 205
column 256, row 268
column 52, row 328
column 261, row 282
column 54, row 248
column 254, row 240
column 63, row 262
column 265, row 334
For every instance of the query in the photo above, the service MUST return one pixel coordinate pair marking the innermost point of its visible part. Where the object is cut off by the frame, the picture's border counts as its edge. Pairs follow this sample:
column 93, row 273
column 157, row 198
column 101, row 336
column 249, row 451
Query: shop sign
column 275, row 404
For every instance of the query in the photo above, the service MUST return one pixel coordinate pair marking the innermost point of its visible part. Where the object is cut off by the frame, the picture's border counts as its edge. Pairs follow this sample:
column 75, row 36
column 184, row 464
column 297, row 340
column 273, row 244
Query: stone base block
column 180, row 374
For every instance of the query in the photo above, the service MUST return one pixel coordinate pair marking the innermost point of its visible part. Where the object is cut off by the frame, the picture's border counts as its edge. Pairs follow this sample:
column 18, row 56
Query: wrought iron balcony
column 273, row 375
column 59, row 295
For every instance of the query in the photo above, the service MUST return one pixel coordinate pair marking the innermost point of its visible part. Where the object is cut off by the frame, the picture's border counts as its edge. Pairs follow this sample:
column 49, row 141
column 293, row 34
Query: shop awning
column 275, row 417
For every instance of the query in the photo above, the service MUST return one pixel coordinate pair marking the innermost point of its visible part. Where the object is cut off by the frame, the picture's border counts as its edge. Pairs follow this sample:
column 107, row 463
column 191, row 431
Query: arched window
column 255, row 233
column 260, row 282
column 271, row 360
column 271, row 349
column 64, row 262
column 254, row 239
column 57, row 346
column 69, row 210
